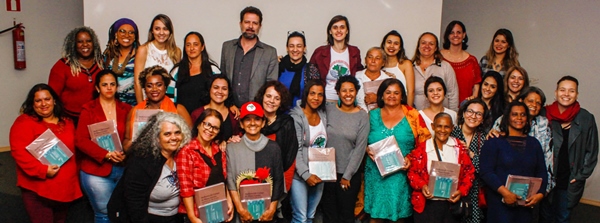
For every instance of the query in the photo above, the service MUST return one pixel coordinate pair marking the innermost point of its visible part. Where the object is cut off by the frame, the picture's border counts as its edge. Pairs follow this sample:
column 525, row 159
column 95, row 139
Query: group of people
column 259, row 114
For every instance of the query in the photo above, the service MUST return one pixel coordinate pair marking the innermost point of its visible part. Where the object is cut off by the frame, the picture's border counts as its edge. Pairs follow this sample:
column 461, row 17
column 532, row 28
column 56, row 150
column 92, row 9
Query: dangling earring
column 355, row 102
column 339, row 103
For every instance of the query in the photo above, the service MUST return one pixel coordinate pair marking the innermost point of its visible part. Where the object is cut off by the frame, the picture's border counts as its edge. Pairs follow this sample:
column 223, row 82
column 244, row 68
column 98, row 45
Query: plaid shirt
column 192, row 171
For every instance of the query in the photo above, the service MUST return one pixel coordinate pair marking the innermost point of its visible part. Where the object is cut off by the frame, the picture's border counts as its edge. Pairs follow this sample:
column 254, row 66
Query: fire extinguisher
column 19, row 46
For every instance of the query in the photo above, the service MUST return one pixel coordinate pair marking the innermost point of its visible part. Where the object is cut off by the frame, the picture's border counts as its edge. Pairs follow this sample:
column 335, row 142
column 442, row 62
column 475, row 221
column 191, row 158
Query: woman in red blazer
column 101, row 169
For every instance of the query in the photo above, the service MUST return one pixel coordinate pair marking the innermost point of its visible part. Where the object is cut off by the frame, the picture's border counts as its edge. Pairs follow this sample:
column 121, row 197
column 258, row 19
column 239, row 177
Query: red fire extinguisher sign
column 13, row 5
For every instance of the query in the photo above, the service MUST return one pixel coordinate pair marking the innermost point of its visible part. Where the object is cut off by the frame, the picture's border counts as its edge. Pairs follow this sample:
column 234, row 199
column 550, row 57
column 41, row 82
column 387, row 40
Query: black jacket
column 129, row 200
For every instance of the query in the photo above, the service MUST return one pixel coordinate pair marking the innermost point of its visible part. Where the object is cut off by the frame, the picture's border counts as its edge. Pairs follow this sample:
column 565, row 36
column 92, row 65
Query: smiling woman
column 72, row 76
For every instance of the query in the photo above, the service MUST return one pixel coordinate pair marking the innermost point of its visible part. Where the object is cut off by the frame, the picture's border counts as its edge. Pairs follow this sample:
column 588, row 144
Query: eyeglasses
column 123, row 32
column 470, row 112
column 292, row 32
column 210, row 127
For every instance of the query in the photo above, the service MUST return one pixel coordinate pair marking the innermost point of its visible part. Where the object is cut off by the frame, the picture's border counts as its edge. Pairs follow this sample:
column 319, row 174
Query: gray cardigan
column 303, row 135
column 583, row 152
column 348, row 133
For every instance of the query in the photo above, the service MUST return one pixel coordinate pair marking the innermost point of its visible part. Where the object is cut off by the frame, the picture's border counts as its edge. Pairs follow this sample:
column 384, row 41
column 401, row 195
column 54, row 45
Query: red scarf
column 552, row 112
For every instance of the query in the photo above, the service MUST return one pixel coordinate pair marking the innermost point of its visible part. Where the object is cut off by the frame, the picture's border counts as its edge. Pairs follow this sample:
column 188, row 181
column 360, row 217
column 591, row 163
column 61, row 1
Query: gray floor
column 12, row 211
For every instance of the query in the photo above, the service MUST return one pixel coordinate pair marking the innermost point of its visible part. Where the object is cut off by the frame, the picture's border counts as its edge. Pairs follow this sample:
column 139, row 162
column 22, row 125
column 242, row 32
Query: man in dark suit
column 247, row 61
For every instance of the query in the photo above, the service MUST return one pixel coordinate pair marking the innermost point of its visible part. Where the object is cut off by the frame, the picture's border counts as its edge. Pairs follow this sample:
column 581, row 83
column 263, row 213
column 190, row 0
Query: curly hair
column 154, row 70
column 147, row 143
column 27, row 106
column 69, row 50
column 284, row 95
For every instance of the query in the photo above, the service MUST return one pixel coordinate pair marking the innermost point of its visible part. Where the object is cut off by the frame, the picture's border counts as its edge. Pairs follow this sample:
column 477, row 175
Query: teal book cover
column 214, row 212
column 256, row 208
column 106, row 142
column 520, row 189
column 443, row 186
column 55, row 155
column 390, row 162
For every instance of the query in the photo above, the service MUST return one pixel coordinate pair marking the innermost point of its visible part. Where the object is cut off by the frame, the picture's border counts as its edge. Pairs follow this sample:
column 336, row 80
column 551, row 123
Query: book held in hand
column 387, row 156
column 443, row 178
column 256, row 198
column 105, row 135
column 211, row 202
column 49, row 150
column 371, row 87
column 321, row 162
column 523, row 186
column 141, row 118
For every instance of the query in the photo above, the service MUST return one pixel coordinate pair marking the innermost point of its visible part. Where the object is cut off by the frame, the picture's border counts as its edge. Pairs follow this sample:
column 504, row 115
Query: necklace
column 119, row 69
column 271, row 120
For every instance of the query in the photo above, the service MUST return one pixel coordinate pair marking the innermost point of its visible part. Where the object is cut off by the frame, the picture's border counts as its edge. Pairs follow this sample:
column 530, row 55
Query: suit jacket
column 264, row 68
column 583, row 151
column 92, row 162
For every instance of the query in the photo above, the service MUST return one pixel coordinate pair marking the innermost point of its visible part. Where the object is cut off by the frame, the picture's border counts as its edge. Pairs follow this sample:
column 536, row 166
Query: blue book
column 256, row 198
column 443, row 178
column 49, row 150
column 523, row 186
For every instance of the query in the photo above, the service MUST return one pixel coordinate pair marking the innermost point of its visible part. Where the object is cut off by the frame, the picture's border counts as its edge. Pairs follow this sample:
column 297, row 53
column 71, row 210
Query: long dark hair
column 27, row 106
column 99, row 76
column 449, row 28
column 229, row 101
column 112, row 46
column 497, row 102
column 402, row 53
column 307, row 88
column 183, row 74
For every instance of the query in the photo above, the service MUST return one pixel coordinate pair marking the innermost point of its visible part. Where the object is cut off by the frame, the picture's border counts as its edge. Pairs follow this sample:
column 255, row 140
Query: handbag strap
column 437, row 151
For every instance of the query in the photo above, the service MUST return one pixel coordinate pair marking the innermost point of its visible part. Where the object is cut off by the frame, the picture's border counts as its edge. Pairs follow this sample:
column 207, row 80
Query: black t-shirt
column 563, row 172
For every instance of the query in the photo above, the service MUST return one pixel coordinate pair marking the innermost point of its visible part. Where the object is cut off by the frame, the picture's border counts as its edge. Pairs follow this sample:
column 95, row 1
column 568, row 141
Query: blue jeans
column 98, row 190
column 304, row 200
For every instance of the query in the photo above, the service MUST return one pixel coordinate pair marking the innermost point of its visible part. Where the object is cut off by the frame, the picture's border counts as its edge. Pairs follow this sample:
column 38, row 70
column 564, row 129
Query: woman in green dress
column 388, row 198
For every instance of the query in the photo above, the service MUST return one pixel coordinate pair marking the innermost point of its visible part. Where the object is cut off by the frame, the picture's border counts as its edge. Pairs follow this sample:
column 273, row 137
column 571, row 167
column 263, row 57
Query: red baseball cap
column 252, row 108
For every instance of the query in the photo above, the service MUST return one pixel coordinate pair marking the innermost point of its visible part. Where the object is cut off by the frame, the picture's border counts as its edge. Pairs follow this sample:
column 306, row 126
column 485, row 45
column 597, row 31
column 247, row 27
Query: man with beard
column 246, row 61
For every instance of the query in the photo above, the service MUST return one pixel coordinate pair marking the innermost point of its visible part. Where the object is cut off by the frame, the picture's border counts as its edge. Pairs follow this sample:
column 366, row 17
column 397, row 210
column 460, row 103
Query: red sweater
column 73, row 90
column 92, row 159
column 418, row 175
column 31, row 173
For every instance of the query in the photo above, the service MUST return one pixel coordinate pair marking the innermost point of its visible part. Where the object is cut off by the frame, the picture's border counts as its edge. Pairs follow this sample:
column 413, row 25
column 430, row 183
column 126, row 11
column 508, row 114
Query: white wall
column 218, row 22
column 554, row 38
column 46, row 25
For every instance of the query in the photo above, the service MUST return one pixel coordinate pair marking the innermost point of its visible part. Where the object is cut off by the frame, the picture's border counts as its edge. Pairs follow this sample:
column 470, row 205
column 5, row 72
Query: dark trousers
column 337, row 204
column 42, row 210
column 436, row 211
